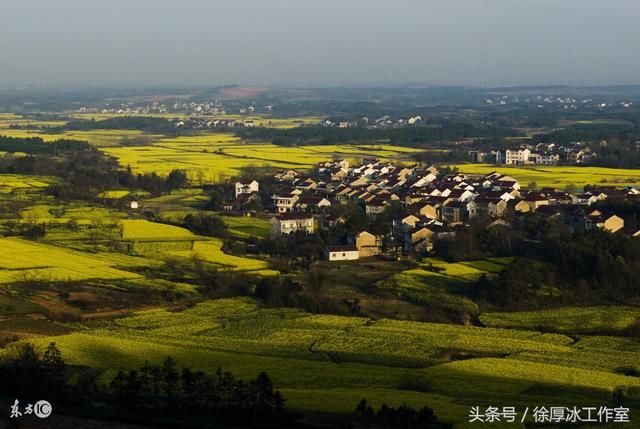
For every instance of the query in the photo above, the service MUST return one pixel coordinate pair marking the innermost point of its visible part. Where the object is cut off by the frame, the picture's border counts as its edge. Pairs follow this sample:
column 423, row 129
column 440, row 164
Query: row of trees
column 35, row 145
column 401, row 417
column 416, row 136
column 166, row 387
column 147, row 124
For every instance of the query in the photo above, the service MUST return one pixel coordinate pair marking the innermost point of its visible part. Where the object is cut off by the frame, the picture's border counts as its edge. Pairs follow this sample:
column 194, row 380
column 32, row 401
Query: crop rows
column 20, row 259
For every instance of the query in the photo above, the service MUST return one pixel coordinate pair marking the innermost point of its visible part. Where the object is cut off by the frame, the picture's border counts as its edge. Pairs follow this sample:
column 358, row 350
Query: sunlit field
column 22, row 260
column 560, row 176
column 212, row 157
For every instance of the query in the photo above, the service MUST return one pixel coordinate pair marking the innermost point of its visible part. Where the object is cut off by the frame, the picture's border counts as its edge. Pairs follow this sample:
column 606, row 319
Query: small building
column 519, row 156
column 606, row 221
column 425, row 209
column 286, row 175
column 520, row 206
column 311, row 204
column 134, row 205
column 535, row 200
column 342, row 253
column 285, row 198
column 367, row 244
column 376, row 206
column 458, row 211
column 246, row 187
column 289, row 223
column 418, row 239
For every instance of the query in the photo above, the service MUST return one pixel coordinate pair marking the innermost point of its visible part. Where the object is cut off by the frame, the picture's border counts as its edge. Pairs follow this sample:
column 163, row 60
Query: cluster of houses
column 207, row 123
column 205, row 108
column 540, row 154
column 383, row 122
column 431, row 205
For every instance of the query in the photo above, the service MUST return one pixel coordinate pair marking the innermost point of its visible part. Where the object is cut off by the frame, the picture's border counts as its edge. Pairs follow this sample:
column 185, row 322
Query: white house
column 246, row 187
column 342, row 253
column 520, row 156
column 285, row 199
column 134, row 205
column 289, row 223
column 545, row 158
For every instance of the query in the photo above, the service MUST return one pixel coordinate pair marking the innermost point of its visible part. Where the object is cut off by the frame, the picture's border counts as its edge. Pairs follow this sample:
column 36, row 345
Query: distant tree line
column 415, row 136
column 36, row 145
column 146, row 124
column 587, row 133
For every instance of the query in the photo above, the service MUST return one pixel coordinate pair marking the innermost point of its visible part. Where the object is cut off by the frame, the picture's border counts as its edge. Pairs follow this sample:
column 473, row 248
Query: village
column 428, row 203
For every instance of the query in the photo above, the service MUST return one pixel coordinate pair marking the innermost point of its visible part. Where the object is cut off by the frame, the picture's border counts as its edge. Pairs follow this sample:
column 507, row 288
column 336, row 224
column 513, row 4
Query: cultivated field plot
column 140, row 229
column 244, row 227
column 8, row 119
column 258, row 120
column 115, row 194
column 17, row 182
column 567, row 319
column 336, row 359
column 167, row 240
column 82, row 214
column 211, row 251
column 212, row 157
column 98, row 138
column 21, row 259
column 560, row 176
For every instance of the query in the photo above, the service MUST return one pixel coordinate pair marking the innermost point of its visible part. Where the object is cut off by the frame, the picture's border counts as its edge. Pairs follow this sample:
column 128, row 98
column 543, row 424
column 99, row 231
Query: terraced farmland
column 337, row 359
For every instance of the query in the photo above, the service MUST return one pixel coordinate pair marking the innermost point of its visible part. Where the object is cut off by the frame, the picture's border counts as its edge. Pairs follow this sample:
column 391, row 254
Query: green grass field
column 560, row 176
column 327, row 363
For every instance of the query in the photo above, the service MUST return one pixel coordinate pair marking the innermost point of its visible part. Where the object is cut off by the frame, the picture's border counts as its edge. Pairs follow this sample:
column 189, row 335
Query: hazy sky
column 478, row 42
